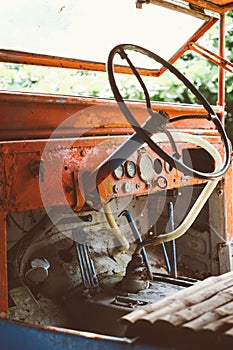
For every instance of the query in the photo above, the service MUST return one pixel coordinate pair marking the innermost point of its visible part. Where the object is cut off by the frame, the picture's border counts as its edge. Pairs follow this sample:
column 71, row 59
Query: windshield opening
column 89, row 30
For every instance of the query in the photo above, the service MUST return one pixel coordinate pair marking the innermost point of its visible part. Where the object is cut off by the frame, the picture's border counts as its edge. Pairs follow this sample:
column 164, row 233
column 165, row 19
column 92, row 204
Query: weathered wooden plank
column 227, row 338
column 181, row 301
column 220, row 325
column 213, row 333
column 150, row 311
column 194, row 311
column 229, row 332
column 210, row 316
column 202, row 314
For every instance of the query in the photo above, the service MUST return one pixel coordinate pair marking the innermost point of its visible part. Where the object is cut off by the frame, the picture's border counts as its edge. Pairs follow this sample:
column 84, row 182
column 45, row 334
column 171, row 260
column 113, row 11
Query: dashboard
column 57, row 171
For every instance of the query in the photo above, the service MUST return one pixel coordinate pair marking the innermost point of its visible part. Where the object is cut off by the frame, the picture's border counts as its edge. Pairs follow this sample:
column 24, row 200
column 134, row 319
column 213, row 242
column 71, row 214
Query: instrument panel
column 143, row 173
column 146, row 168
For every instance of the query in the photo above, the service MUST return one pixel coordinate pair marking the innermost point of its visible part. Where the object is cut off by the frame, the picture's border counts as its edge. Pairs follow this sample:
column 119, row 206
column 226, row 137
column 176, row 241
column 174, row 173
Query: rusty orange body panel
column 3, row 267
column 219, row 6
column 42, row 114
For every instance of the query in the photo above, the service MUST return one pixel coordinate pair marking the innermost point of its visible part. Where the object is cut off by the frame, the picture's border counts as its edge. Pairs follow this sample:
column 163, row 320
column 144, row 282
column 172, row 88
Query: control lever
column 87, row 268
column 173, row 271
column 138, row 237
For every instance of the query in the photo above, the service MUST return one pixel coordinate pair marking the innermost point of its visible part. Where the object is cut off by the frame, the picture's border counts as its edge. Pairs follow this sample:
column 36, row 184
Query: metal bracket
column 211, row 56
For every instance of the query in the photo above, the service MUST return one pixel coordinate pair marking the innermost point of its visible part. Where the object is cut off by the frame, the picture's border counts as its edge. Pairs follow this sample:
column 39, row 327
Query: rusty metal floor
column 200, row 315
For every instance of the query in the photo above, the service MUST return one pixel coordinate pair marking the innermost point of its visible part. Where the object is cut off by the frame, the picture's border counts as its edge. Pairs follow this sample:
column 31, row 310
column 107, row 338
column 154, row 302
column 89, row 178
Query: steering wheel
column 156, row 121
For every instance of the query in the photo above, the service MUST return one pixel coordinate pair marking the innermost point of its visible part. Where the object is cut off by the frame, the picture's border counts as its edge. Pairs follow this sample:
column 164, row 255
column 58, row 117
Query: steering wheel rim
column 159, row 124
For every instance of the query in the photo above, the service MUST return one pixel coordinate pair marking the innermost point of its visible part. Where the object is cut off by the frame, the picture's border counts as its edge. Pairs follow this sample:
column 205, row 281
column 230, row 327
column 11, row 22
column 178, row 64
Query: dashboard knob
column 161, row 182
column 126, row 187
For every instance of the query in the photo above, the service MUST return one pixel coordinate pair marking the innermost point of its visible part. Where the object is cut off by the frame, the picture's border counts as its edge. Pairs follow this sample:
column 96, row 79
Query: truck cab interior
column 113, row 208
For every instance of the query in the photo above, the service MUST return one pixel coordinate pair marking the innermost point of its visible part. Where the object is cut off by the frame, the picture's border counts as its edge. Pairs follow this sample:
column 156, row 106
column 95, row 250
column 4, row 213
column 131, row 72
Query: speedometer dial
column 130, row 168
column 146, row 168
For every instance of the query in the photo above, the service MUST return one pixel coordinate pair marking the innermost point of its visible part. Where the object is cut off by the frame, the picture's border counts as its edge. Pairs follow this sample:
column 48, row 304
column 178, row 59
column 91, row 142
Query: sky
column 90, row 29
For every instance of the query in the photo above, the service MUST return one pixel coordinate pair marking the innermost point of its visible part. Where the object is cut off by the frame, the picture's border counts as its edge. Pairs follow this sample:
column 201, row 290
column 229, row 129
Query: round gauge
column 130, row 168
column 158, row 166
column 168, row 167
column 146, row 168
column 118, row 172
